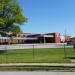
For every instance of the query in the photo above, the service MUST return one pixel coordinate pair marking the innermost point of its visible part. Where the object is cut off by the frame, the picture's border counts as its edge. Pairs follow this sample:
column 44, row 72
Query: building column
column 44, row 40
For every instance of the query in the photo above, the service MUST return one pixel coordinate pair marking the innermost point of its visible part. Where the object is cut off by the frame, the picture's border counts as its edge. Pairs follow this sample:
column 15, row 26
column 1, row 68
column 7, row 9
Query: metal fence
column 22, row 53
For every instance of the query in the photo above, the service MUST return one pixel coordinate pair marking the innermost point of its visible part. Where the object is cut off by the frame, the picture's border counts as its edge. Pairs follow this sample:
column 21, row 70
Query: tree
column 11, row 16
column 16, row 29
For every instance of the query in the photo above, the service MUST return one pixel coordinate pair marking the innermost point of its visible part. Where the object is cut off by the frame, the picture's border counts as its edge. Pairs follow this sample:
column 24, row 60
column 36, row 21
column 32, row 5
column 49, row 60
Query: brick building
column 45, row 38
column 31, row 38
column 55, row 37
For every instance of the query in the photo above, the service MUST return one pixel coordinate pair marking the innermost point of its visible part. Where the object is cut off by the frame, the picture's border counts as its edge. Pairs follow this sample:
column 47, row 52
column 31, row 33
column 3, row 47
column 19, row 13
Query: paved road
column 35, row 73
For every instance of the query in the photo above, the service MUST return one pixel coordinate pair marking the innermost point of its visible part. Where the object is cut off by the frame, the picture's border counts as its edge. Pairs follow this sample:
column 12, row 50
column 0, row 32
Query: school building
column 25, row 38
column 31, row 38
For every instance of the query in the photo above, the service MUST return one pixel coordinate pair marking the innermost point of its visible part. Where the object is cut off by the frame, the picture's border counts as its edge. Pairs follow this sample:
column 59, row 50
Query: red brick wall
column 57, row 38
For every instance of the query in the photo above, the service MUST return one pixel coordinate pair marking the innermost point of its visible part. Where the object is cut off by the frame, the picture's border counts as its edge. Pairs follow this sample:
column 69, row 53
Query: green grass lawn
column 50, row 55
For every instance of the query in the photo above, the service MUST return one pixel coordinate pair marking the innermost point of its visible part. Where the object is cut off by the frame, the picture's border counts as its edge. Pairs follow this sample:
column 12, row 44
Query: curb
column 39, row 64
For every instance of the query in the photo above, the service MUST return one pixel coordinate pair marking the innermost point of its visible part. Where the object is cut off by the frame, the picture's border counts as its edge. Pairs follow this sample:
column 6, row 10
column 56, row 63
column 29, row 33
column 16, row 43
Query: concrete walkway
column 39, row 64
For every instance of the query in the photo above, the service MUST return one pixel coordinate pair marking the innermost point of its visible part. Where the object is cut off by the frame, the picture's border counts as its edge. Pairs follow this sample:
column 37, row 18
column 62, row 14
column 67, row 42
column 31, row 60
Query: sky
column 47, row 16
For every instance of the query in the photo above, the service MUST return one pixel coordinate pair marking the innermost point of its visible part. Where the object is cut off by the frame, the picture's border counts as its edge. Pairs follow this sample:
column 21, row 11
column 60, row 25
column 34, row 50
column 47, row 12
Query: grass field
column 50, row 55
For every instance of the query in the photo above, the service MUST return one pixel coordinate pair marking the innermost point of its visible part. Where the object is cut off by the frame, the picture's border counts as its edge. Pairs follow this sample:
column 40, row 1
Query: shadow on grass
column 71, row 57
column 2, row 51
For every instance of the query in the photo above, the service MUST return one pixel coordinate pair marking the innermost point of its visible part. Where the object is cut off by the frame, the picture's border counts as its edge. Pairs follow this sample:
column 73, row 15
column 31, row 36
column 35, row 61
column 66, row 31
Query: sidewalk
column 39, row 64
